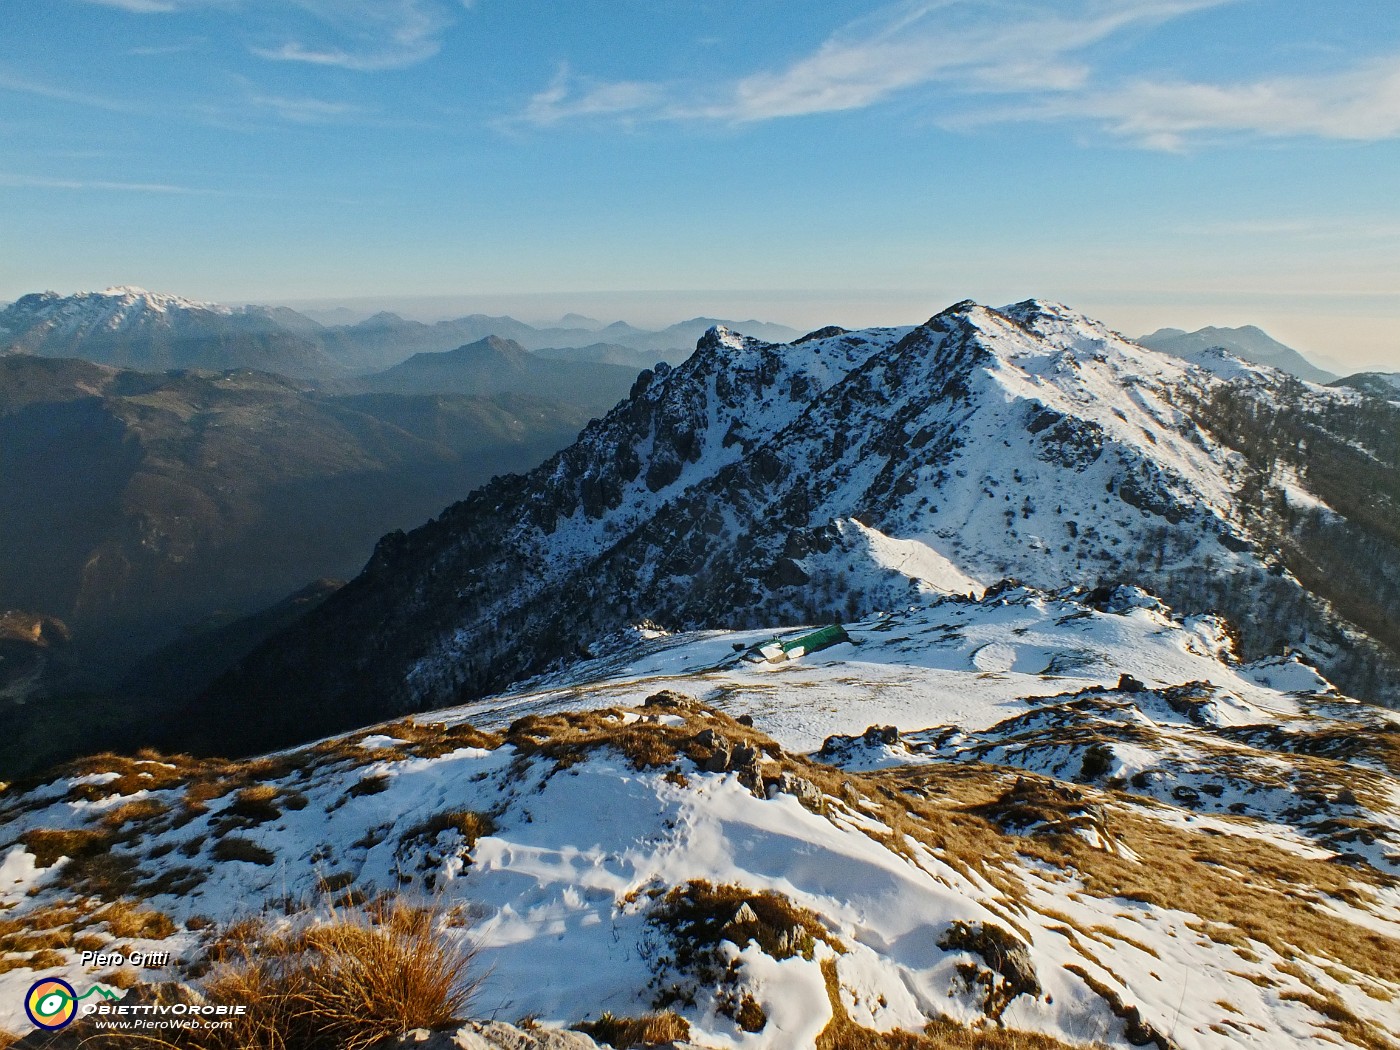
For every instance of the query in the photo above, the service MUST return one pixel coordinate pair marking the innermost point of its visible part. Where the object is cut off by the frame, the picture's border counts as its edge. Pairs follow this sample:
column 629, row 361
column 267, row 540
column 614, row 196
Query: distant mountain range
column 1023, row 705
column 854, row 471
column 148, row 331
column 133, row 328
column 1249, row 343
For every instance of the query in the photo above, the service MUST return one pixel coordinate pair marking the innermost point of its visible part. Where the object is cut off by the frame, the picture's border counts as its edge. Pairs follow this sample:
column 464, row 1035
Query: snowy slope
column 842, row 473
column 112, row 310
column 1024, row 787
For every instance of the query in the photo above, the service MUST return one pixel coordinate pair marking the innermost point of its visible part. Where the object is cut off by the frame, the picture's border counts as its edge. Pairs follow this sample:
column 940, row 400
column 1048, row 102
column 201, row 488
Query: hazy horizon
column 1135, row 314
column 1148, row 162
column 807, row 311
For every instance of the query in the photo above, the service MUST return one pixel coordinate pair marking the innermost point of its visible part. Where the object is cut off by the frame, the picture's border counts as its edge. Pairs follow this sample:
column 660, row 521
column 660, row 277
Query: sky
column 1149, row 162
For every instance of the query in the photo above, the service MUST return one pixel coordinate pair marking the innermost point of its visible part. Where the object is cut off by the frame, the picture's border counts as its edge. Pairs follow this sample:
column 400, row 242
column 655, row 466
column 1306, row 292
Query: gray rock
column 801, row 788
column 495, row 1035
column 719, row 762
column 500, row 1035
column 745, row 915
column 669, row 698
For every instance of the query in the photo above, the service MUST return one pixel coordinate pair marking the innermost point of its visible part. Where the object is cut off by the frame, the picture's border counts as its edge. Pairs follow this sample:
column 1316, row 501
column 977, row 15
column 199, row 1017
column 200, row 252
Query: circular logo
column 51, row 1003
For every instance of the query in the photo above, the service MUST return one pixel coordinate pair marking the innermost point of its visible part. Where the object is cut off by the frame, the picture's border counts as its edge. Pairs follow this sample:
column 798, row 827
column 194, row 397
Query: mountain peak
column 958, row 309
column 1043, row 315
column 383, row 319
column 153, row 331
column 1247, row 342
column 134, row 295
column 497, row 344
column 720, row 338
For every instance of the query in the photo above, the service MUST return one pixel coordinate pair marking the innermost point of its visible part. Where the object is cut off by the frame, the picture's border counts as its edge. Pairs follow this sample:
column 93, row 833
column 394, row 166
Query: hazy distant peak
column 1247, row 342
column 383, row 319
column 496, row 343
column 572, row 320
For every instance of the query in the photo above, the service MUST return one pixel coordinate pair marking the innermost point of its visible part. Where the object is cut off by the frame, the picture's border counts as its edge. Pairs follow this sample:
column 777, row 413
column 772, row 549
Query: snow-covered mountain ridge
column 133, row 328
column 841, row 473
column 1075, row 814
column 112, row 309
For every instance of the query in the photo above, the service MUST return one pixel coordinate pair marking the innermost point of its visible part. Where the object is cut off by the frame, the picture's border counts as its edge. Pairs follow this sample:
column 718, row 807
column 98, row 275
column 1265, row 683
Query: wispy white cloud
column 156, row 50
column 140, row 7
column 40, row 89
column 1362, row 103
column 978, row 62
column 45, row 183
column 567, row 98
column 365, row 35
column 974, row 46
column 308, row 110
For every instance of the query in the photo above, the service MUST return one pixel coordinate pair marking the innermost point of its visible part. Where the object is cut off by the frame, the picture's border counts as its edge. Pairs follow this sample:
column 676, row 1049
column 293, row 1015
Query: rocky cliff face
column 845, row 472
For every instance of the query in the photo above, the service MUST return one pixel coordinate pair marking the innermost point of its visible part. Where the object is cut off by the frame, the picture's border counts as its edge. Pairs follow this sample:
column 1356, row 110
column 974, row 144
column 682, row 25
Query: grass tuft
column 233, row 847
column 651, row 1030
column 125, row 919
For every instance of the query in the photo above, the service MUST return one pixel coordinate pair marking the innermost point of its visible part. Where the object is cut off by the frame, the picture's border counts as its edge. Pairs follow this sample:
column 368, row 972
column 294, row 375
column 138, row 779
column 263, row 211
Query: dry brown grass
column 46, row 930
column 1262, row 891
column 650, row 1030
column 467, row 823
column 94, row 866
column 1246, row 891
column 347, row 982
column 126, row 919
column 236, row 848
column 201, row 792
column 370, row 785
column 697, row 918
column 147, row 770
column 139, row 811
column 435, row 739
column 49, row 844
column 47, row 959
column 841, row 1033
column 256, row 803
column 126, row 977
column 567, row 739
column 335, row 882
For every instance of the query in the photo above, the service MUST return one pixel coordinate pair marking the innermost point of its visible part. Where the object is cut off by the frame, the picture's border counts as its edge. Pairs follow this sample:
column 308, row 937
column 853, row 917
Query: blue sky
column 1151, row 162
